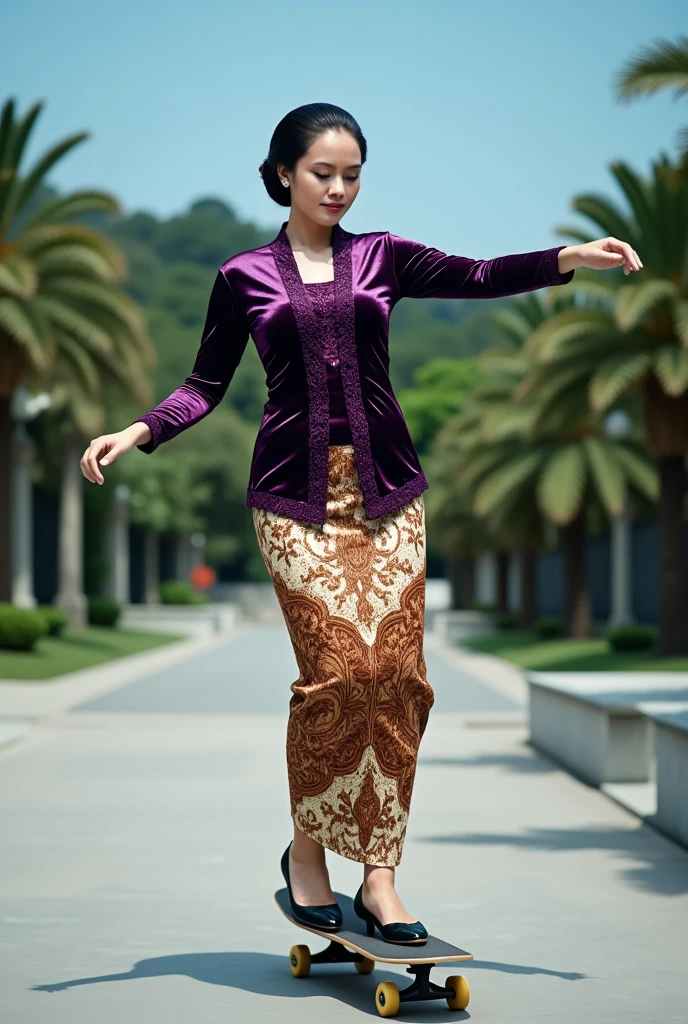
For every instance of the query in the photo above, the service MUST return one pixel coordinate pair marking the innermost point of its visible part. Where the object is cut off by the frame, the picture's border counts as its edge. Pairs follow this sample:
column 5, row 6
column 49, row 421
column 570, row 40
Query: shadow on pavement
column 662, row 864
column 268, row 974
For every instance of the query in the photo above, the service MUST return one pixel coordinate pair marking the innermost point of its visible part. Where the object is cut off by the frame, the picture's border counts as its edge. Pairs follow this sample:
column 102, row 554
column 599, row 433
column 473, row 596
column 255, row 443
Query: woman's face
column 328, row 173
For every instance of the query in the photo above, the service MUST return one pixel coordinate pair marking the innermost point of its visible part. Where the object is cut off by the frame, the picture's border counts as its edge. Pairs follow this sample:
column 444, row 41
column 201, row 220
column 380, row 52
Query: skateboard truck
column 422, row 987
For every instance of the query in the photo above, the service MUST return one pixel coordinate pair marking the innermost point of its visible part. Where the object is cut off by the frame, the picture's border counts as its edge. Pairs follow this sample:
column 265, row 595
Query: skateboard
column 352, row 944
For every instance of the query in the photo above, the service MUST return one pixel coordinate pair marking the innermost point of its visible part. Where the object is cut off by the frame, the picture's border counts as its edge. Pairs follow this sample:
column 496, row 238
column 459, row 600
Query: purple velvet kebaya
column 260, row 293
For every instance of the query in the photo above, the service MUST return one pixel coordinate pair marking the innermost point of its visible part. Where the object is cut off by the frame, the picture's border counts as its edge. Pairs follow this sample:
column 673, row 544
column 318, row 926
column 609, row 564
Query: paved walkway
column 140, row 836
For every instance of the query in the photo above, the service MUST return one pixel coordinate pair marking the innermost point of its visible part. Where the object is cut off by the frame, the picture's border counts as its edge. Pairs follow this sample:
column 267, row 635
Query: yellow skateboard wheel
column 300, row 961
column 462, row 994
column 365, row 966
column 387, row 999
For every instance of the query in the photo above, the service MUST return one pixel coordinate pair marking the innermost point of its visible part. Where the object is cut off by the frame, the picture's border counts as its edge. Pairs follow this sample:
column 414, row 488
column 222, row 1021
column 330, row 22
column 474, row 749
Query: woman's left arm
column 422, row 271
column 600, row 255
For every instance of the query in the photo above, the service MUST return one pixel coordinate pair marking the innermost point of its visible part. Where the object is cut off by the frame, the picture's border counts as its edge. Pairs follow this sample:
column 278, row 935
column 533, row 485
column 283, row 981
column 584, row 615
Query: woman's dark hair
column 296, row 132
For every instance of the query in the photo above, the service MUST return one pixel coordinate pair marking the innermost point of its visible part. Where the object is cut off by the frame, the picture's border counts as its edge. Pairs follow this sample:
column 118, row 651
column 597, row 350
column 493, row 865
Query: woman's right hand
column 106, row 448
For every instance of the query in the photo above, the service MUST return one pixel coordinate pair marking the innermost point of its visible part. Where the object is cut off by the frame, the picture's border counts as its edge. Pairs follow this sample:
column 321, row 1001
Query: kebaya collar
column 286, row 261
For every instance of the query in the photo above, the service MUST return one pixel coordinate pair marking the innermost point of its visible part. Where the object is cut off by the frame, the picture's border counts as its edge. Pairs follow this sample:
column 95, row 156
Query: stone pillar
column 198, row 541
column 183, row 558
column 117, row 584
column 70, row 594
column 486, row 578
column 22, row 518
column 152, row 567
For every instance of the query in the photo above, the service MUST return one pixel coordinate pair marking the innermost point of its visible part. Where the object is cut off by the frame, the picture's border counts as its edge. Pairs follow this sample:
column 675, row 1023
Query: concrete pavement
column 140, row 836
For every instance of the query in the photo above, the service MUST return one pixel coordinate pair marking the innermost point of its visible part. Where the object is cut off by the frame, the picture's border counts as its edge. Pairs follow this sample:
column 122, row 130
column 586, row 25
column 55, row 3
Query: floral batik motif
column 352, row 592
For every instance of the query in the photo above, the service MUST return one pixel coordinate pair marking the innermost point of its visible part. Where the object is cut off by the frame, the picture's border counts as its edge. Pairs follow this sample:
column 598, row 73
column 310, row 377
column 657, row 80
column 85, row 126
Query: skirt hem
column 347, row 853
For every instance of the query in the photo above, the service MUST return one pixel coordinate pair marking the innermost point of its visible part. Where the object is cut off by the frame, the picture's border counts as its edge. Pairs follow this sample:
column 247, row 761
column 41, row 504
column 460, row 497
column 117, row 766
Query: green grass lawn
column 564, row 655
column 77, row 648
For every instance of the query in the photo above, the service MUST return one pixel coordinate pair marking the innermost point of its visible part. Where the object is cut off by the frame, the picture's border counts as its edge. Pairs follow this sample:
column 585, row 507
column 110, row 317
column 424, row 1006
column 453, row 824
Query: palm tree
column 661, row 66
column 456, row 531
column 521, row 467
column 63, row 320
column 523, row 529
column 618, row 340
column 78, row 388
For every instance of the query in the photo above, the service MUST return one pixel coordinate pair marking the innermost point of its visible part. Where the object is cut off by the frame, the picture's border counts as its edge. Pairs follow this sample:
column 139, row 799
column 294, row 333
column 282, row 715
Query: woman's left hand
column 607, row 252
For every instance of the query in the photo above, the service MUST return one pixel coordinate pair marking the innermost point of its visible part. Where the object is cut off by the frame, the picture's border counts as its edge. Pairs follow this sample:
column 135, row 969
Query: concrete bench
column 670, row 722
column 593, row 723
column 457, row 624
column 185, row 619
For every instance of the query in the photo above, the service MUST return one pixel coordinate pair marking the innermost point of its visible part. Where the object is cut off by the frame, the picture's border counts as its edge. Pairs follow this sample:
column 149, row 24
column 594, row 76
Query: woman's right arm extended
column 224, row 339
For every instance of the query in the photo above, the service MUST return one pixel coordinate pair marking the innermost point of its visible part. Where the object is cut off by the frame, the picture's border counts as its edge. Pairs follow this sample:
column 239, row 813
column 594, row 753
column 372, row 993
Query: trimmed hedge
column 631, row 638
column 20, row 628
column 549, row 626
column 506, row 620
column 484, row 606
column 180, row 592
column 103, row 611
column 55, row 618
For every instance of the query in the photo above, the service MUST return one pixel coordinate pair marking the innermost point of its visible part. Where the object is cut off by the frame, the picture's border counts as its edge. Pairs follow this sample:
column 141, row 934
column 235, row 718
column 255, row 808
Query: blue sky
column 482, row 121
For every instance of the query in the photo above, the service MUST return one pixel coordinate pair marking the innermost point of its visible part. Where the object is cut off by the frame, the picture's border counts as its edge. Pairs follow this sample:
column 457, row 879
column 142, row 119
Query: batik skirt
column 352, row 592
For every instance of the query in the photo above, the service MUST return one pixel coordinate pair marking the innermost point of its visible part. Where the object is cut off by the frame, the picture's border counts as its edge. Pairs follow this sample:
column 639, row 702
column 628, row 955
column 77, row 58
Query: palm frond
column 103, row 297
column 516, row 474
column 74, row 323
column 639, row 469
column 680, row 316
column 71, row 259
column 606, row 473
column 671, row 366
column 662, row 65
column 562, row 483
column 34, row 242
column 634, row 302
column 81, row 363
column 17, row 322
column 614, row 375
column 74, row 205
column 18, row 276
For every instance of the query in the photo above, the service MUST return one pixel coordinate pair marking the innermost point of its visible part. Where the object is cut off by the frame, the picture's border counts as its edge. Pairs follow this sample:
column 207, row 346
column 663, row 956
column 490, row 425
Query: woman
column 335, row 490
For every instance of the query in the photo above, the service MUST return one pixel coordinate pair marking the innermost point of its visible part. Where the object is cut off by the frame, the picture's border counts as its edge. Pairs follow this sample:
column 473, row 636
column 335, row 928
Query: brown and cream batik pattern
column 353, row 596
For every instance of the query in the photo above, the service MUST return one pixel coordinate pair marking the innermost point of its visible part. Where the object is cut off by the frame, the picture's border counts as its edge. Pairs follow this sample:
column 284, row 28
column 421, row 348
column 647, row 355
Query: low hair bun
column 273, row 186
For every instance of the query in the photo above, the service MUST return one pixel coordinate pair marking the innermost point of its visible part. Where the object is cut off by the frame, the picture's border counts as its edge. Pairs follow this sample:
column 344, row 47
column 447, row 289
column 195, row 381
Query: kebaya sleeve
column 223, row 341
column 423, row 272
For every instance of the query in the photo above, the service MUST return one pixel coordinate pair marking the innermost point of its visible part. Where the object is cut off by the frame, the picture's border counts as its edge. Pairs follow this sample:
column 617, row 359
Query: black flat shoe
column 326, row 916
column 411, row 933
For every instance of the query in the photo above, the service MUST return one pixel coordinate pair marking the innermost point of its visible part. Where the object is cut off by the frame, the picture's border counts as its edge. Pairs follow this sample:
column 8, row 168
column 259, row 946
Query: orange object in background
column 202, row 576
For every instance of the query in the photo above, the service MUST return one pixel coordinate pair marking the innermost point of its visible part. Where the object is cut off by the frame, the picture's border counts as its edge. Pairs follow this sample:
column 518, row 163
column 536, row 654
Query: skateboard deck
column 352, row 944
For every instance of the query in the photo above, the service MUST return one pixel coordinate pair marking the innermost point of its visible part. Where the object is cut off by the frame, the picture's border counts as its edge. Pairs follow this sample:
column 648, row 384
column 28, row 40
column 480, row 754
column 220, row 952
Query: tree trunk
column 673, row 626
column 453, row 575
column 21, row 531
column 70, row 594
column 577, row 612
column 467, row 582
column 527, row 613
column 117, row 584
column 502, row 601
column 621, row 583
column 5, row 500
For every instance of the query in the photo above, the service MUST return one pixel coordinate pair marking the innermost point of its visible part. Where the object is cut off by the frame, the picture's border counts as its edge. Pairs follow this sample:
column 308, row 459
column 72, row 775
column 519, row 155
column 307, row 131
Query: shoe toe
column 328, row 916
column 401, row 931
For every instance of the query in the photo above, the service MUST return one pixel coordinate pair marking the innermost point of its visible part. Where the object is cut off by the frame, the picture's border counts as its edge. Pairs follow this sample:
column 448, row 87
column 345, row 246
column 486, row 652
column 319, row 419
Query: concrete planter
column 186, row 619
column 454, row 626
